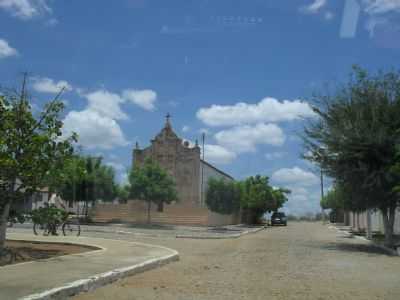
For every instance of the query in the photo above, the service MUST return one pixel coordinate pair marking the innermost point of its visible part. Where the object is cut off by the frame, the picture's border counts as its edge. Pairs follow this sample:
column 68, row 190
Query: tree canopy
column 355, row 139
column 86, row 178
column 223, row 196
column 152, row 184
column 30, row 146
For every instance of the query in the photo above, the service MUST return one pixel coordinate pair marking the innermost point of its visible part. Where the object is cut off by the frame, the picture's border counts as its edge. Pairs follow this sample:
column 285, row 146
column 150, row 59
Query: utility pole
column 203, row 137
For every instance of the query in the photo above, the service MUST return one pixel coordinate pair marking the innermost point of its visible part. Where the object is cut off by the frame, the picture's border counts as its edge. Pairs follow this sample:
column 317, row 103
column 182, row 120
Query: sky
column 241, row 71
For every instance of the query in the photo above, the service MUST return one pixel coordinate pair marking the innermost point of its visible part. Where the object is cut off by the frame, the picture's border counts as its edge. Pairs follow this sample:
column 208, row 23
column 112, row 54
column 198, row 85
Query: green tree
column 123, row 192
column 86, row 178
column 29, row 147
column 355, row 138
column 223, row 196
column 256, row 198
column 279, row 197
column 63, row 177
column 334, row 199
column 152, row 184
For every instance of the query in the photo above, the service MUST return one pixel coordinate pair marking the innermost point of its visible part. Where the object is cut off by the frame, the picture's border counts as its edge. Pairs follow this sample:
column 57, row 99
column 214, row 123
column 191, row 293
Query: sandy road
column 301, row 261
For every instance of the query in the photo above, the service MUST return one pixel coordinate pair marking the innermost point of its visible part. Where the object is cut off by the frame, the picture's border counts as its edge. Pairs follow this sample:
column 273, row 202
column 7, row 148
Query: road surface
column 301, row 261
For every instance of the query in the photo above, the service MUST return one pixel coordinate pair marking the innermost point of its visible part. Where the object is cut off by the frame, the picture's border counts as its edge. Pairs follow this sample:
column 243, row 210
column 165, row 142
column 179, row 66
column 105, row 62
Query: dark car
column 278, row 218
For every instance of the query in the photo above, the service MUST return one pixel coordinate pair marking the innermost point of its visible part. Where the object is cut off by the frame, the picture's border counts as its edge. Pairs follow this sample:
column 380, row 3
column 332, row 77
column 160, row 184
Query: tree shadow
column 353, row 248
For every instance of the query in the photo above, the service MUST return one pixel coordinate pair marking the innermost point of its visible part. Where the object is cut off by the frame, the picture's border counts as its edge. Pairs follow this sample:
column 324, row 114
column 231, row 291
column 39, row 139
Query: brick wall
column 136, row 212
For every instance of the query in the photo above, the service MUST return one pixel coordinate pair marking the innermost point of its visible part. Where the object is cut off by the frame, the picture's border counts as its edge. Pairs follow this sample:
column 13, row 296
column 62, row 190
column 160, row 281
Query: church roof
column 167, row 131
column 216, row 169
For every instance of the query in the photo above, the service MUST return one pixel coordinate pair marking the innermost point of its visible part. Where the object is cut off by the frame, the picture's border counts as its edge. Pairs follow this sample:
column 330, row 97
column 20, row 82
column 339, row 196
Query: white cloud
column 294, row 177
column 375, row 22
column 106, row 104
column 218, row 154
column 143, row 98
column 185, row 128
column 329, row 15
column 25, row 9
column 381, row 6
column 94, row 130
column 52, row 22
column 97, row 124
column 244, row 138
column 267, row 110
column 305, row 194
column 6, row 50
column 314, row 7
column 48, row 85
column 205, row 131
column 274, row 155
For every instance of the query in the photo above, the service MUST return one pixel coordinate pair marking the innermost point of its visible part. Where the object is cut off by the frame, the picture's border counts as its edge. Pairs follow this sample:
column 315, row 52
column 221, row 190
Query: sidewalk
column 164, row 231
column 86, row 270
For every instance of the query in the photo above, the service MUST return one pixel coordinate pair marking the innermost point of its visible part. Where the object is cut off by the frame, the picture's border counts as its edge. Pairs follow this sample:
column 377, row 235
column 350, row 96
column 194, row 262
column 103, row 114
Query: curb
column 99, row 280
column 220, row 237
column 384, row 248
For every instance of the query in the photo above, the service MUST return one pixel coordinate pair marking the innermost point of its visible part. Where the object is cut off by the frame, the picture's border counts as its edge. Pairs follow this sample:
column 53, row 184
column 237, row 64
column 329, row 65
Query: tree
column 279, row 196
column 63, row 178
column 29, row 146
column 86, row 178
column 152, row 184
column 355, row 140
column 223, row 196
column 256, row 197
column 123, row 192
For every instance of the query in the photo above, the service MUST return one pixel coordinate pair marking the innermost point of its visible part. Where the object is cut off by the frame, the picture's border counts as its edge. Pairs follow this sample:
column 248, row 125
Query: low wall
column 215, row 219
column 358, row 221
column 135, row 211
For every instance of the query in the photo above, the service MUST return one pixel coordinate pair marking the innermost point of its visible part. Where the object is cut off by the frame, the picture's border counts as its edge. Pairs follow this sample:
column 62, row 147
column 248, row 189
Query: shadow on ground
column 347, row 247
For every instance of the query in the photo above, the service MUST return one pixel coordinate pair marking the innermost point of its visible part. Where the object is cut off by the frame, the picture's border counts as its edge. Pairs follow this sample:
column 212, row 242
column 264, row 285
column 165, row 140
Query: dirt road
column 301, row 261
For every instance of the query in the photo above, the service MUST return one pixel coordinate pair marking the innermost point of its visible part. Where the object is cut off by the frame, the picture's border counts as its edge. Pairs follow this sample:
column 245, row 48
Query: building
column 191, row 174
column 183, row 163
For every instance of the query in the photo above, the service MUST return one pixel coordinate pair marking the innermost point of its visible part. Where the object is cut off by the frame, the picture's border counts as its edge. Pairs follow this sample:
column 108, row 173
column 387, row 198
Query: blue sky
column 240, row 70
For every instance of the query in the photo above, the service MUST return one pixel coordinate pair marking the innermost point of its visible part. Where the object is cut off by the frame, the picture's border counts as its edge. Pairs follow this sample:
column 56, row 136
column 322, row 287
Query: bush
column 222, row 196
column 48, row 215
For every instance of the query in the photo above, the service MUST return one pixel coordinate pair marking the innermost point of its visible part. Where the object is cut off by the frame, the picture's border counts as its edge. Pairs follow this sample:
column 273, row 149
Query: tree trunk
column 388, row 223
column 369, row 229
column 160, row 206
column 148, row 212
column 3, row 224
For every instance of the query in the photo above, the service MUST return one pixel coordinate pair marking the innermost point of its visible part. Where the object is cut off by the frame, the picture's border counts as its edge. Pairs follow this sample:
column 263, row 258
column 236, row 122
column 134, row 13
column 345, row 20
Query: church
column 191, row 173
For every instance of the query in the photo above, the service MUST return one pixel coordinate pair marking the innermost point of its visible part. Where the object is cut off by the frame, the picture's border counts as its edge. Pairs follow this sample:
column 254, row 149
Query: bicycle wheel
column 6, row 257
column 70, row 229
column 40, row 229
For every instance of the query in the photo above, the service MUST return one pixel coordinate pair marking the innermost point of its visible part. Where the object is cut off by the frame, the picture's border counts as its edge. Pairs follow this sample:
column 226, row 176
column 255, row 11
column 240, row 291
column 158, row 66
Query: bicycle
column 8, row 256
column 68, row 226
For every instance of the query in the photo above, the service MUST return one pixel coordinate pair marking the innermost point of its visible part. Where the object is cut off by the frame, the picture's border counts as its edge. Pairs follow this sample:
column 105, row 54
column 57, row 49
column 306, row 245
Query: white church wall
column 208, row 172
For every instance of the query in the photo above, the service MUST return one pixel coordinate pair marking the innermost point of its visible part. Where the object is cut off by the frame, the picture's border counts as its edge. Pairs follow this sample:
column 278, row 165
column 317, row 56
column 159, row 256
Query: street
column 301, row 261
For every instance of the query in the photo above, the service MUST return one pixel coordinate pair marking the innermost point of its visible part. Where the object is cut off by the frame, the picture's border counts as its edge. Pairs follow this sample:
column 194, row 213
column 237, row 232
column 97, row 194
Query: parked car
column 278, row 218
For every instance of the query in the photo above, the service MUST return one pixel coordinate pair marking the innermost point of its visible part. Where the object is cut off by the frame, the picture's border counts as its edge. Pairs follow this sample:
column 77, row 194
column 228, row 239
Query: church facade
column 183, row 162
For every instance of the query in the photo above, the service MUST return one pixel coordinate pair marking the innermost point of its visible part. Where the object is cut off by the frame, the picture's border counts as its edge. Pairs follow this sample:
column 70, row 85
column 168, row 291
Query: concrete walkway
column 161, row 231
column 29, row 278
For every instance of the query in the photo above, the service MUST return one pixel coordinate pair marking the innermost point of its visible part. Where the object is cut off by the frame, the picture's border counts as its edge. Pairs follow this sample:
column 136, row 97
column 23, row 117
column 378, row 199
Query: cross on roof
column 168, row 117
